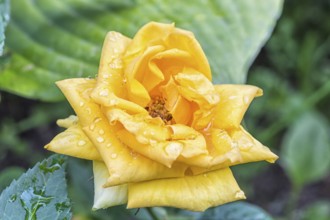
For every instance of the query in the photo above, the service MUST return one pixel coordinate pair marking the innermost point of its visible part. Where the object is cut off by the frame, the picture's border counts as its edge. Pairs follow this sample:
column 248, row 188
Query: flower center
column 156, row 108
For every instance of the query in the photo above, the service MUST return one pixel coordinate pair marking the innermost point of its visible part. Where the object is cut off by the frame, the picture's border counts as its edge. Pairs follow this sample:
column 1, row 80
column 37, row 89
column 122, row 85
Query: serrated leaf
column 63, row 39
column 40, row 193
column 4, row 18
column 306, row 149
column 232, row 211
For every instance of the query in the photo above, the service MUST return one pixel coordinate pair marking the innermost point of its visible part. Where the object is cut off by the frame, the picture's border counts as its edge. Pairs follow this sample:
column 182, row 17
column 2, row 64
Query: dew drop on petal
column 232, row 97
column 234, row 144
column 112, row 101
column 81, row 104
column 246, row 99
column 114, row 155
column 109, row 145
column 240, row 195
column 100, row 139
column 96, row 120
column 104, row 93
column 173, row 148
column 91, row 127
column 101, row 131
column 81, row 143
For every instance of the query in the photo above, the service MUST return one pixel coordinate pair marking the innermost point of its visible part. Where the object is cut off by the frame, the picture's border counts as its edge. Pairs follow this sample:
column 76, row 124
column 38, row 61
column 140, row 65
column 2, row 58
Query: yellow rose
column 158, row 131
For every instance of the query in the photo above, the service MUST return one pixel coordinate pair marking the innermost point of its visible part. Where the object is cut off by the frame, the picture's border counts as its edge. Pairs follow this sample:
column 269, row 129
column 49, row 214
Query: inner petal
column 179, row 107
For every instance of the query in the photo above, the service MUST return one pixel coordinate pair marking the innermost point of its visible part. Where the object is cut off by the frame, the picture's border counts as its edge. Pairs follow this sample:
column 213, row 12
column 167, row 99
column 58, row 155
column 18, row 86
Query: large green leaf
column 40, row 193
column 52, row 40
column 4, row 18
column 306, row 149
column 231, row 211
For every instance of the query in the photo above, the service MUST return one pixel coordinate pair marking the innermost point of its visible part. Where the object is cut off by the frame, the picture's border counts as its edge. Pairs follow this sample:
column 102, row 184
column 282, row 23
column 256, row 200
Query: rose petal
column 195, row 193
column 159, row 142
column 195, row 87
column 74, row 142
column 234, row 101
column 110, row 73
column 123, row 166
column 236, row 147
column 110, row 196
column 179, row 107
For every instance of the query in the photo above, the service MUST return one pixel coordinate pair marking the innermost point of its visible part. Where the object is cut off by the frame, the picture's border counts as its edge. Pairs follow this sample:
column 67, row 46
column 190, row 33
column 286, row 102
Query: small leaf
column 4, row 19
column 40, row 193
column 232, row 211
column 63, row 39
column 306, row 149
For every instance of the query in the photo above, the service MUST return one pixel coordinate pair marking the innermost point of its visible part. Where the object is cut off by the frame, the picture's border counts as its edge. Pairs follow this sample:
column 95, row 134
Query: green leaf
column 40, row 193
column 306, row 149
column 63, row 39
column 232, row 211
column 4, row 18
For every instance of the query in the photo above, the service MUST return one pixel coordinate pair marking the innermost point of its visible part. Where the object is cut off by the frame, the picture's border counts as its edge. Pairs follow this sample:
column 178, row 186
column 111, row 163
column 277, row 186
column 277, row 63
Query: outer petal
column 110, row 74
column 110, row 196
column 110, row 89
column 123, row 165
column 74, row 142
column 235, row 147
column 234, row 101
column 195, row 193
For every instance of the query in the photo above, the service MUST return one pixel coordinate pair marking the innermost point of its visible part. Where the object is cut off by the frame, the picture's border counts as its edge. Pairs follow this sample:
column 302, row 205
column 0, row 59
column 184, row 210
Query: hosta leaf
column 306, row 149
column 53, row 40
column 231, row 211
column 40, row 193
column 4, row 18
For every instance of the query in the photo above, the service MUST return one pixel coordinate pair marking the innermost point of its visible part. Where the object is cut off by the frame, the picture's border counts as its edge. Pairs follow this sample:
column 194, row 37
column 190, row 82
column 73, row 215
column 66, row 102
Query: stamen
column 156, row 108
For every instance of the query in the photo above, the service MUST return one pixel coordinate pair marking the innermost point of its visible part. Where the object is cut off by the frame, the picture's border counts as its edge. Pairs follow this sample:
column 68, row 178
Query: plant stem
column 311, row 101
column 293, row 203
column 152, row 213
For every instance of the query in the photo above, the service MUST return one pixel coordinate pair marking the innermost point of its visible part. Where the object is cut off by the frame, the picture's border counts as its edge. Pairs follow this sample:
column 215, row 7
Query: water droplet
column 91, row 127
column 96, row 120
column 101, row 131
column 234, row 144
column 240, row 195
column 104, row 93
column 81, row 143
column 81, row 104
column 109, row 145
column 124, row 80
column 100, row 139
column 113, row 102
column 88, row 110
column 116, row 64
column 114, row 156
column 246, row 99
column 232, row 97
column 173, row 148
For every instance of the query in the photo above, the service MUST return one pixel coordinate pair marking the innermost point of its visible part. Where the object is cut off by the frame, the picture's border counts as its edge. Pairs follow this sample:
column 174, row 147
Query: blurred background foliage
column 292, row 118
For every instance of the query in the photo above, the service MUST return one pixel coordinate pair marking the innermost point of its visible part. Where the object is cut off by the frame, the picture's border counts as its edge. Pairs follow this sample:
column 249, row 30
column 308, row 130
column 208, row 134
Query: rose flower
column 158, row 131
